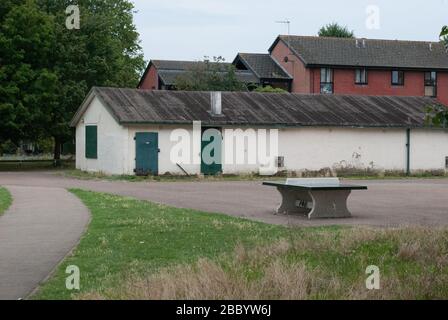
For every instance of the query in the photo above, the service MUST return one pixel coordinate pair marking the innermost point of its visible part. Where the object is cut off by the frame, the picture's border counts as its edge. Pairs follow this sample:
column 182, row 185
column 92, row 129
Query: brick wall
column 151, row 80
column 307, row 80
column 294, row 66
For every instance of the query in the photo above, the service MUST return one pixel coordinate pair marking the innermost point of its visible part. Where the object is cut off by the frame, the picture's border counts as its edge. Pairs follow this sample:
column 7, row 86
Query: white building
column 129, row 131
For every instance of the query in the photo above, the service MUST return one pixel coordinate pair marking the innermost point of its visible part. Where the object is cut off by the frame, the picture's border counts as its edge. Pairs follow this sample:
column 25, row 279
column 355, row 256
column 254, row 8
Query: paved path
column 386, row 203
column 42, row 225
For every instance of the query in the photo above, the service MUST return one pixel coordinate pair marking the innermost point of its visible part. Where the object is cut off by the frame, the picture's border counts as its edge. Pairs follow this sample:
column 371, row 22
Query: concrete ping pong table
column 315, row 197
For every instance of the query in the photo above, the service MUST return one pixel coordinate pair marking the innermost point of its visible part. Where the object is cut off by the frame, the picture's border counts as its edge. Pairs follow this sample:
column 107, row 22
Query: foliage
column 335, row 30
column 210, row 76
column 269, row 89
column 5, row 200
column 46, row 70
column 437, row 115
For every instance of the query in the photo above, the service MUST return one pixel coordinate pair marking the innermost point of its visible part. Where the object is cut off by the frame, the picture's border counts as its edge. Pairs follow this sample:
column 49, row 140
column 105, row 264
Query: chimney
column 430, row 46
column 215, row 102
column 361, row 43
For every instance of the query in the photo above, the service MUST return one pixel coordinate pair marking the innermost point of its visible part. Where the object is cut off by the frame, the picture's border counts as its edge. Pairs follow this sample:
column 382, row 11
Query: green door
column 146, row 153
column 211, row 153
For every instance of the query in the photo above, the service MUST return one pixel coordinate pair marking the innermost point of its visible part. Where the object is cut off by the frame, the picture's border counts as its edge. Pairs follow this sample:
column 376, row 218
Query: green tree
column 27, row 81
column 269, row 89
column 105, row 51
column 437, row 115
column 46, row 70
column 335, row 30
column 210, row 76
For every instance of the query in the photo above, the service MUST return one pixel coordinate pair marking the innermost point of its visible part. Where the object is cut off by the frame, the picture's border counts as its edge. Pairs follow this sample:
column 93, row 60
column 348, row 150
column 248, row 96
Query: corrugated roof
column 249, row 108
column 263, row 65
column 376, row 53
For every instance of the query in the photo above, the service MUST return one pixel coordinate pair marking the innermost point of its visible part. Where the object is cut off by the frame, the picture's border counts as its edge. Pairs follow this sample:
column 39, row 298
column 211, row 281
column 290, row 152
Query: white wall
column 429, row 148
column 303, row 148
column 112, row 141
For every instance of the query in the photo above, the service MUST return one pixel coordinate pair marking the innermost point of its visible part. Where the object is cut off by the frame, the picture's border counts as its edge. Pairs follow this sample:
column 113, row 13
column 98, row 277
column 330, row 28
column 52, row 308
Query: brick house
column 320, row 65
column 254, row 69
column 364, row 66
column 162, row 74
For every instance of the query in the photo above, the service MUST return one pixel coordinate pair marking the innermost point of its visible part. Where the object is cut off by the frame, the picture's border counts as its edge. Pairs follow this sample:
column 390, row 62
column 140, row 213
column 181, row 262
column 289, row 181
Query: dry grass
column 308, row 265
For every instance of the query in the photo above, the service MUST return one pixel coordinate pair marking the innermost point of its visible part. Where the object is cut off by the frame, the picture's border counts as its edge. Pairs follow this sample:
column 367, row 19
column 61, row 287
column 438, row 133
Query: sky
column 192, row 29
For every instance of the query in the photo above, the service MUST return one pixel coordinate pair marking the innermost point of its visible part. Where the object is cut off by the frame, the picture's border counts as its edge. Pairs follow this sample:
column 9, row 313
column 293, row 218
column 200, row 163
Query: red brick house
column 364, row 66
column 320, row 65
column 162, row 74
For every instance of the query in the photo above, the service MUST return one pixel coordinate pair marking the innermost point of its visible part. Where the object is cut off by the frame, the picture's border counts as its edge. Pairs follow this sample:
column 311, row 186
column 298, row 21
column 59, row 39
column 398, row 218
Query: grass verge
column 139, row 250
column 82, row 175
column 5, row 200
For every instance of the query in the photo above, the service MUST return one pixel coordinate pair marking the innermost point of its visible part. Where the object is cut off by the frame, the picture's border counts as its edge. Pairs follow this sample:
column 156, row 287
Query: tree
column 27, row 83
column 437, row 115
column 105, row 51
column 269, row 89
column 210, row 76
column 334, row 30
column 46, row 70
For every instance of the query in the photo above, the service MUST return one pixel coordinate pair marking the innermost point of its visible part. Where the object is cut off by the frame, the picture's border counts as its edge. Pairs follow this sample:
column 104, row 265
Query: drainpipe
column 408, row 152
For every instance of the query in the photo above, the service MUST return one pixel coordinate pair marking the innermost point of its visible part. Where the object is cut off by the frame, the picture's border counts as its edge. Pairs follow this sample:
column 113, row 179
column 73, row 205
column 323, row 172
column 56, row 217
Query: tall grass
column 413, row 264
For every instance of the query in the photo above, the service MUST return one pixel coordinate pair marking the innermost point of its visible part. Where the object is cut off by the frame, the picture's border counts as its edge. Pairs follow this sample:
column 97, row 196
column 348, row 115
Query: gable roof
column 133, row 106
column 325, row 51
column 262, row 65
column 169, row 70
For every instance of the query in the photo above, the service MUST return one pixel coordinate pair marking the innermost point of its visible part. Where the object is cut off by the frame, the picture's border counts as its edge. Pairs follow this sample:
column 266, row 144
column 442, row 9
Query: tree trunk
column 57, row 151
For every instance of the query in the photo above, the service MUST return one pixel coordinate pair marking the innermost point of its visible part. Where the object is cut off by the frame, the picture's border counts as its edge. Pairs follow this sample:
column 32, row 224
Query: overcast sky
column 191, row 29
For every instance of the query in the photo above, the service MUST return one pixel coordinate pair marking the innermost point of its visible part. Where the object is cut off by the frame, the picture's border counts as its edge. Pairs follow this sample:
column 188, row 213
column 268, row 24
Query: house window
column 431, row 84
column 326, row 80
column 91, row 142
column 397, row 78
column 361, row 76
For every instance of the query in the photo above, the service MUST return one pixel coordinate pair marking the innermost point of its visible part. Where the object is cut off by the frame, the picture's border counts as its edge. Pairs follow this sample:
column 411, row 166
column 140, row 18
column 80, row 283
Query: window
column 431, row 84
column 326, row 80
column 397, row 78
column 361, row 76
column 91, row 142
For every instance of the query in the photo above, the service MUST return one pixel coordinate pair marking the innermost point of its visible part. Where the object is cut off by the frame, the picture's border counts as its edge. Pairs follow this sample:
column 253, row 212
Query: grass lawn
column 139, row 250
column 35, row 165
column 5, row 200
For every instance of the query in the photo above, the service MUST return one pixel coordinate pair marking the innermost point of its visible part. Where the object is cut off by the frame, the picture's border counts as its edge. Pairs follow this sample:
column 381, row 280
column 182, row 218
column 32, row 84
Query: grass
column 35, row 165
column 128, row 236
column 83, row 175
column 139, row 250
column 5, row 200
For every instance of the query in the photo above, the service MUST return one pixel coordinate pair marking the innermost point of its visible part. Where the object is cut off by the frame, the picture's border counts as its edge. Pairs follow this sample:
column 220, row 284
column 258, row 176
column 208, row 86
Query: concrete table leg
column 289, row 200
column 330, row 204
